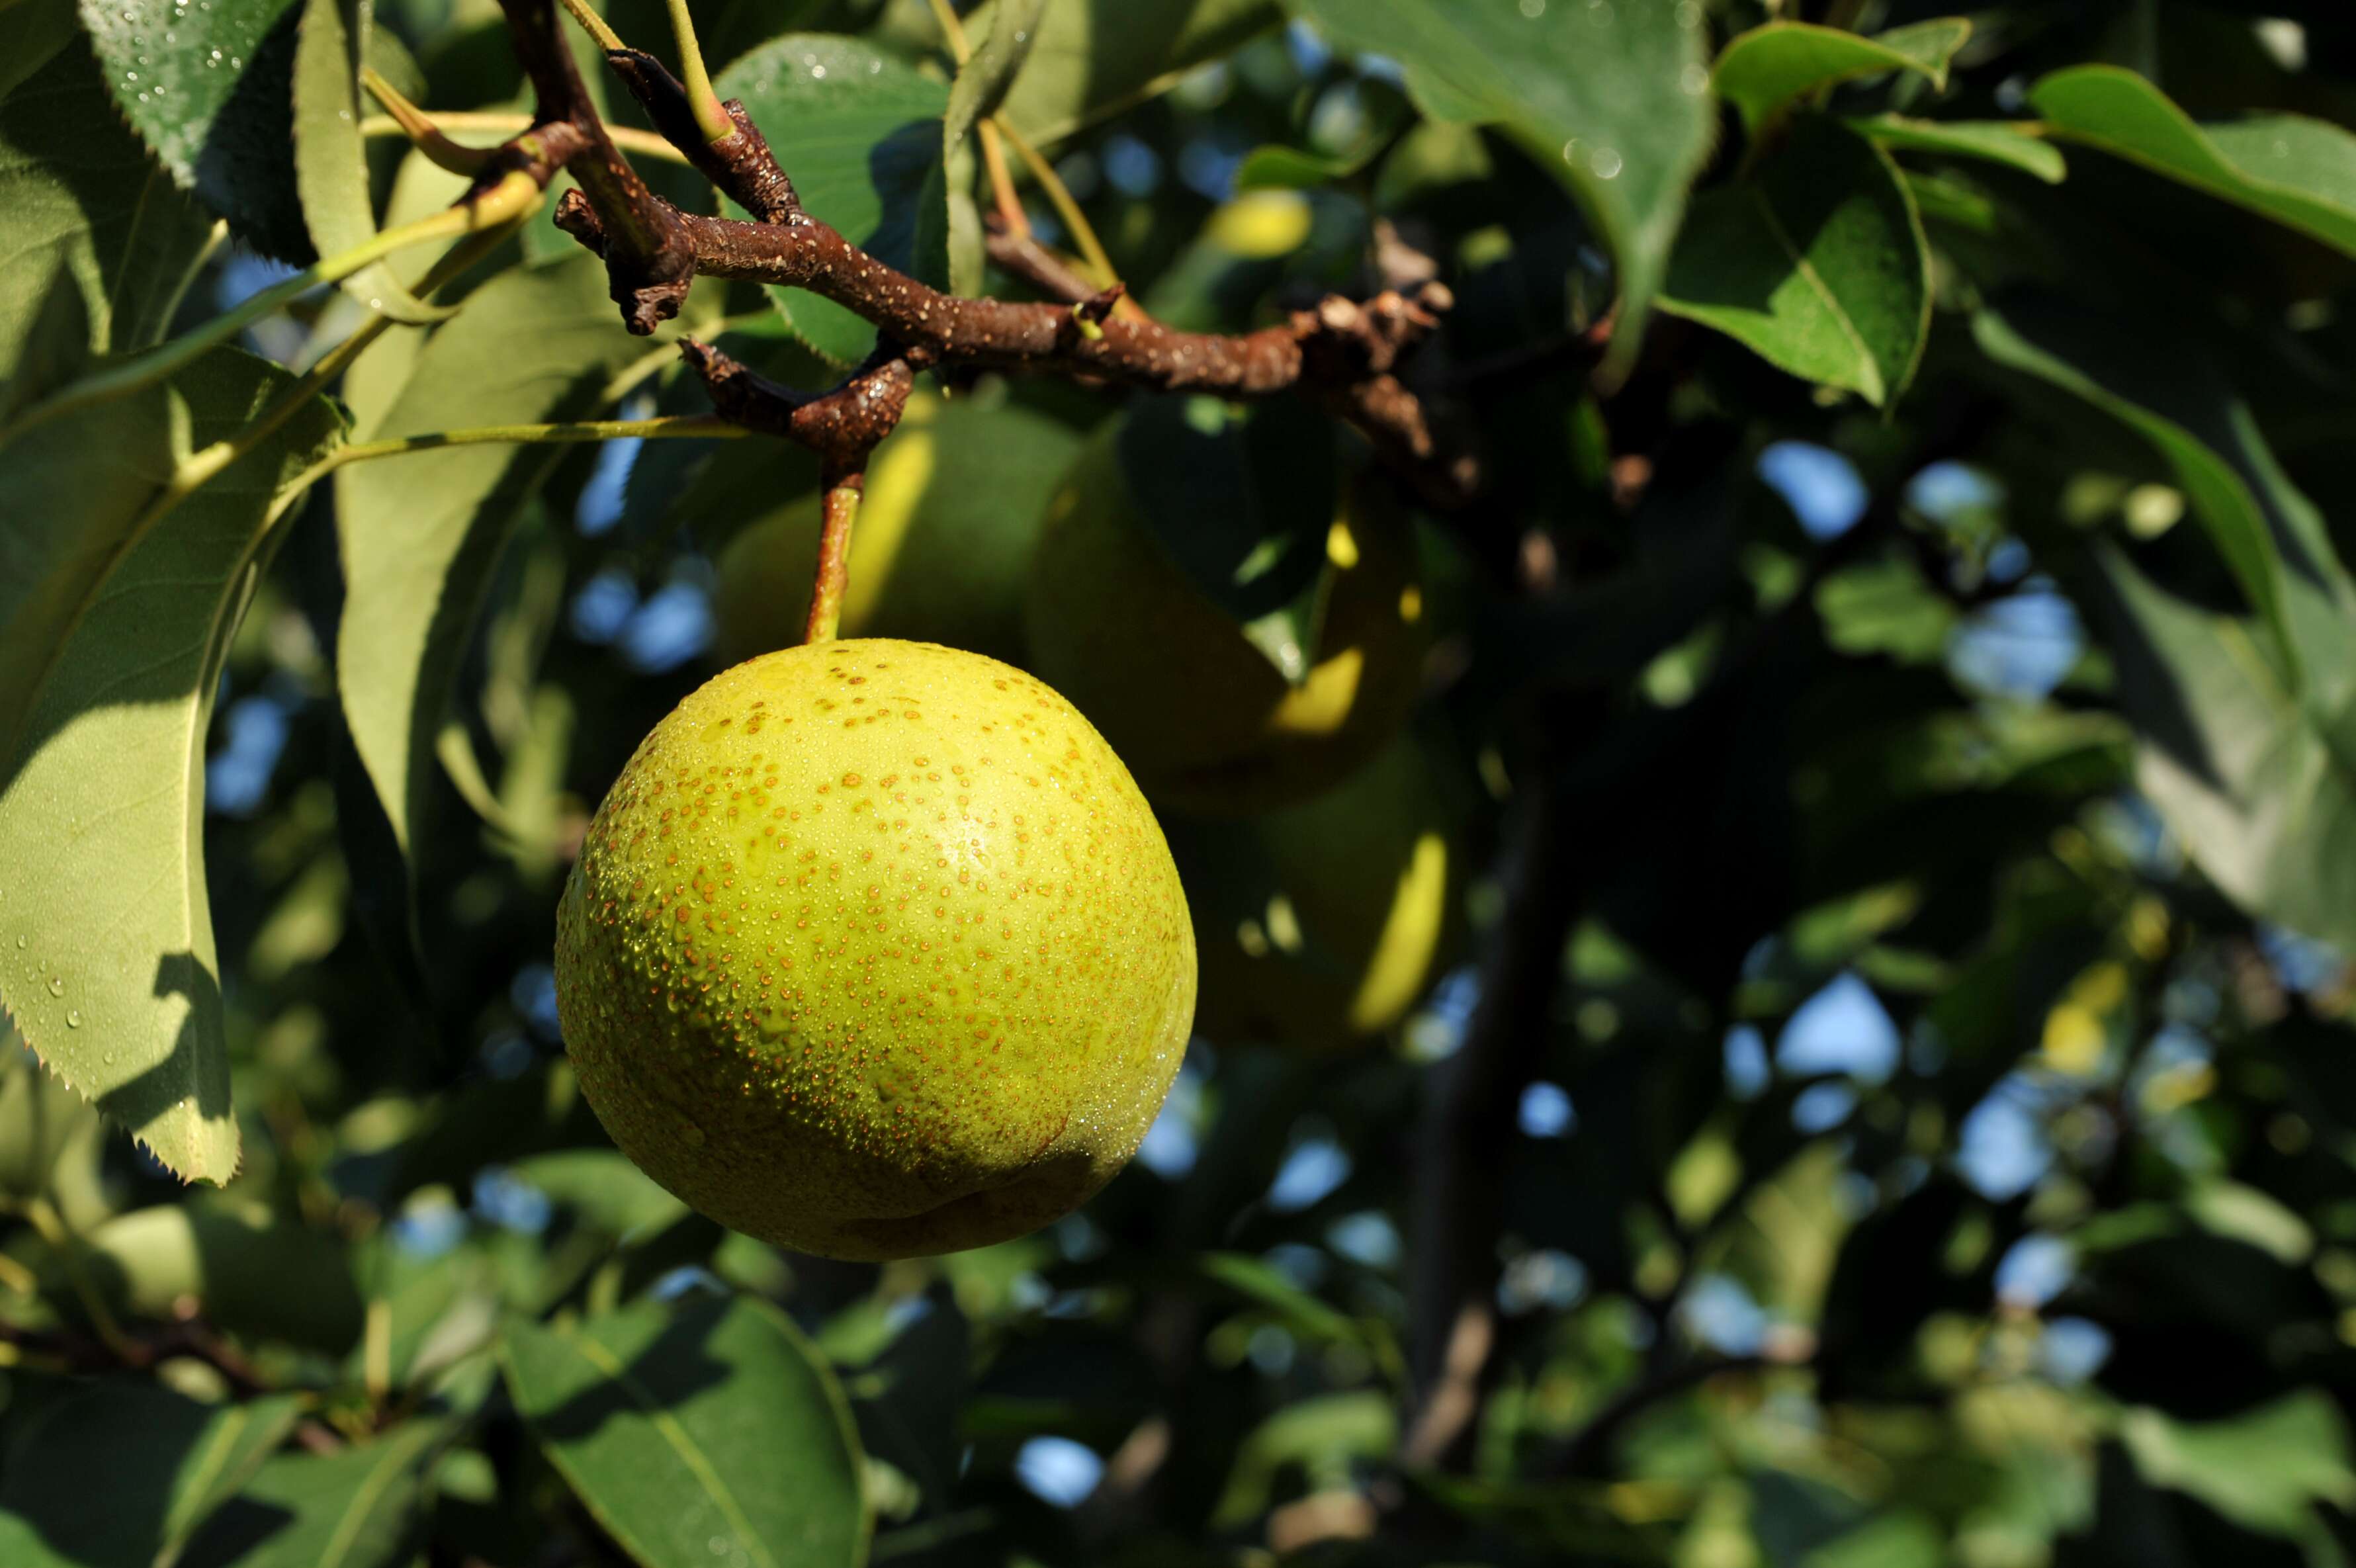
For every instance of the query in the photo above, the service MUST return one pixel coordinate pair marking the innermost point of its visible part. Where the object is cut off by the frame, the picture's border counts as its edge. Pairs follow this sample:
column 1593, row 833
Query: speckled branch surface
column 1345, row 353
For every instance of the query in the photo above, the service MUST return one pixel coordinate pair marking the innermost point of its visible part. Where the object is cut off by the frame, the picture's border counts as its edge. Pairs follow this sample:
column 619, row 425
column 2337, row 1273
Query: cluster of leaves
column 1929, row 615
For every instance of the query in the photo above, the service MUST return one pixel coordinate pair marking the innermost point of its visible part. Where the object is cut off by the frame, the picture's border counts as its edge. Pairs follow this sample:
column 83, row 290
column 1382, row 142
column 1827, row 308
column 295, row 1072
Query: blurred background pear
column 1321, row 926
column 943, row 539
column 1199, row 712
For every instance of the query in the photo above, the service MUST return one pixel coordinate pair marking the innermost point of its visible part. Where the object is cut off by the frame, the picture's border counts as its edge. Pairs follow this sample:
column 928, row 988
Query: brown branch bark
column 741, row 167
column 649, row 257
column 1019, row 254
column 1343, row 352
column 842, row 425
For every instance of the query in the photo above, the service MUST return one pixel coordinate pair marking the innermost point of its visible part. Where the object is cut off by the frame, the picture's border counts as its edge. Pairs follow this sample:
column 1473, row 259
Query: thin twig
column 629, row 138
column 1019, row 253
column 1001, row 180
column 1059, row 197
column 649, row 260
column 1343, row 353
column 422, row 132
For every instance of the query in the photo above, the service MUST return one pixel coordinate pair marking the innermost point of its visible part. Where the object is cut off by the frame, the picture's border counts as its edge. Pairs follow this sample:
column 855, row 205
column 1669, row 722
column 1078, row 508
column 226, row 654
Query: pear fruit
column 943, row 543
column 1203, row 719
column 874, row 951
column 1320, row 925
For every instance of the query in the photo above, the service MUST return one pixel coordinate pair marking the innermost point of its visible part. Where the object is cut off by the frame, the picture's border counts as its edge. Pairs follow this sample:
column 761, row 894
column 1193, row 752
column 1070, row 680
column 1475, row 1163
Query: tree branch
column 740, row 165
column 842, row 426
column 1459, row 1212
column 649, row 257
column 1343, row 352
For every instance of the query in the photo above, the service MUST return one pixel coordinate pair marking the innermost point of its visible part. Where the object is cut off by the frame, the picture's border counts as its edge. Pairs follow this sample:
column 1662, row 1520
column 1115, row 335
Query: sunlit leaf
column 421, row 531
column 2268, row 1468
column 709, row 1434
column 113, row 630
column 251, row 1270
column 331, row 170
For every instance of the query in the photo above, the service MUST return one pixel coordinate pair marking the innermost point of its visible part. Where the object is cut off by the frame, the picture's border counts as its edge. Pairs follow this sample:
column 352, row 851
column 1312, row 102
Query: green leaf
column 980, row 87
column 982, row 83
column 1241, row 498
column 603, row 1187
column 2261, row 792
column 330, row 164
column 2266, row 1469
column 78, row 192
column 1903, row 1540
column 52, row 1139
column 1886, row 606
column 55, row 349
column 112, row 630
column 166, row 1462
column 31, row 34
column 254, row 1273
column 1818, row 263
column 861, row 131
column 2270, row 535
column 209, row 87
column 2299, row 172
column 1989, row 140
column 420, row 532
column 1325, row 1434
column 1095, row 58
column 1305, row 1314
column 1390, row 123
column 1762, row 71
column 1613, row 99
column 713, row 1434
column 357, row 1508
column 1279, row 167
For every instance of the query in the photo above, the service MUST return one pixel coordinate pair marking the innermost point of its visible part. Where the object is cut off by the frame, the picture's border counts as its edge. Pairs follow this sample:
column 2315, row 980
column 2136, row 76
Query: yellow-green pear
column 943, row 543
column 1202, row 718
column 874, row 951
column 1321, row 925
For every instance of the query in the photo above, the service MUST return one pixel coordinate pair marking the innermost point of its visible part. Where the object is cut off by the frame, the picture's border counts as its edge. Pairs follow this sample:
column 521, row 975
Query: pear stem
column 833, row 576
